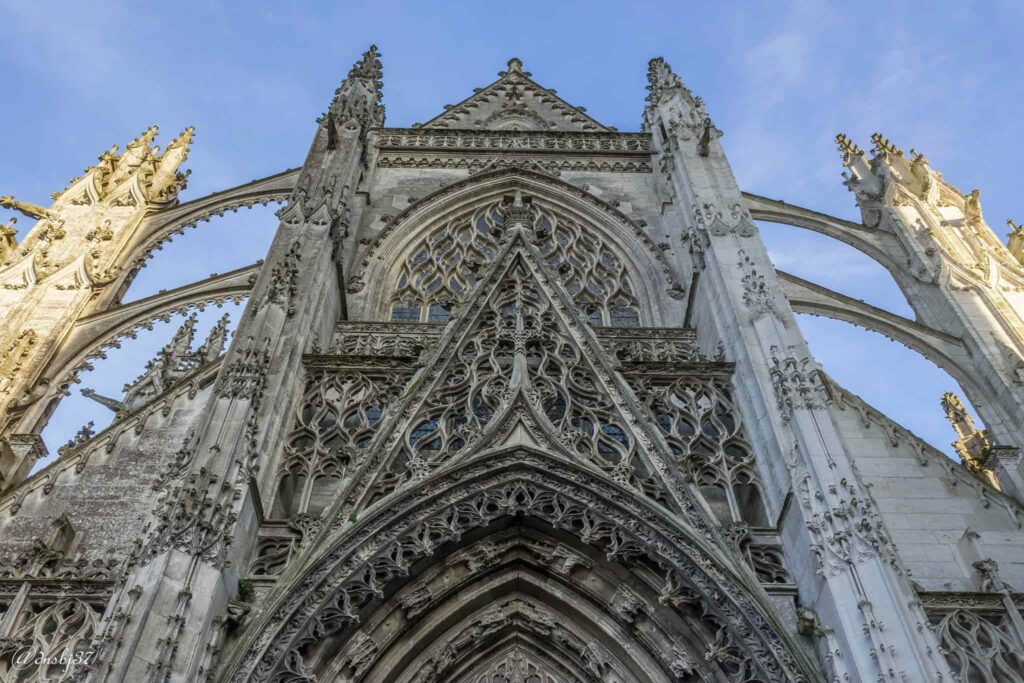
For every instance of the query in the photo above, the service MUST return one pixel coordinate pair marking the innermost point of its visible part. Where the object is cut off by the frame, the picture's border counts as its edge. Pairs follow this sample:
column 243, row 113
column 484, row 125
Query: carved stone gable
column 520, row 366
column 515, row 102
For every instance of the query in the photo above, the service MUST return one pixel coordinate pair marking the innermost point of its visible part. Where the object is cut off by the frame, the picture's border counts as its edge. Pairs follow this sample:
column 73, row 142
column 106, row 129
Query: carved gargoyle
column 31, row 210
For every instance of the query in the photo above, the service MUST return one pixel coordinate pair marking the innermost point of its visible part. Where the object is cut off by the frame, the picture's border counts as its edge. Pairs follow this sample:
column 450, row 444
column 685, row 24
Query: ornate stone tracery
column 980, row 646
column 704, row 432
column 339, row 415
column 477, row 496
column 444, row 267
column 50, row 642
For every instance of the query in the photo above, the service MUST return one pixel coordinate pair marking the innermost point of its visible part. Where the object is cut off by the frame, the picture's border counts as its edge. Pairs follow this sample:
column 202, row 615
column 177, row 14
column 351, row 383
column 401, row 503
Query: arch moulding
column 94, row 334
column 352, row 565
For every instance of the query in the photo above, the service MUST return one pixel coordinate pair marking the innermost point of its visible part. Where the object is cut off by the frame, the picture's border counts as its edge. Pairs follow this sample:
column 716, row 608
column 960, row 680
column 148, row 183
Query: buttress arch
column 160, row 226
column 878, row 245
column 941, row 348
column 354, row 566
column 91, row 337
column 945, row 350
column 380, row 265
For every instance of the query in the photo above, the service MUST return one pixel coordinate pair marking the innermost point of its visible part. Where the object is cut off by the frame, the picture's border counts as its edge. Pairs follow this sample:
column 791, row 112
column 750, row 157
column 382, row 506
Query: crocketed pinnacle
column 369, row 66
column 660, row 78
column 367, row 72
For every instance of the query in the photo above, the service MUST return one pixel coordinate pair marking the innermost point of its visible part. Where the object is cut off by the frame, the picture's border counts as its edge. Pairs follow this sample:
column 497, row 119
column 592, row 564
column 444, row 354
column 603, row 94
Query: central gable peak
column 515, row 102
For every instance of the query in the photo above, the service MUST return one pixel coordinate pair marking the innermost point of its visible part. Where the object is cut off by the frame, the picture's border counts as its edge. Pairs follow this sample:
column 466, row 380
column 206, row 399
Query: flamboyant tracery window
column 48, row 641
column 443, row 268
column 980, row 646
column 701, row 425
column 339, row 415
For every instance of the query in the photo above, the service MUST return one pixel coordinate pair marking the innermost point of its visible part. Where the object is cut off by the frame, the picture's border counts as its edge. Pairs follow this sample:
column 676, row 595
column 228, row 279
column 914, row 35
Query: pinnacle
column 846, row 145
column 146, row 137
column 883, row 146
column 185, row 137
column 368, row 66
column 661, row 78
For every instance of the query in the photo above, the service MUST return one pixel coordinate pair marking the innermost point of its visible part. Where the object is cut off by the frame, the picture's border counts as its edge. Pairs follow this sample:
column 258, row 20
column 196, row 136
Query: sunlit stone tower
column 515, row 397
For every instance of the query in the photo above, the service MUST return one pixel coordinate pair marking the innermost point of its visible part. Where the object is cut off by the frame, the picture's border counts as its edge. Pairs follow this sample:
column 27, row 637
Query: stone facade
column 515, row 397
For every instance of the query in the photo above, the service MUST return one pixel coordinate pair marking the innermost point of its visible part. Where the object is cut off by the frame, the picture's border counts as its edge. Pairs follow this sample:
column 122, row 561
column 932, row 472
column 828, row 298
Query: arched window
column 443, row 268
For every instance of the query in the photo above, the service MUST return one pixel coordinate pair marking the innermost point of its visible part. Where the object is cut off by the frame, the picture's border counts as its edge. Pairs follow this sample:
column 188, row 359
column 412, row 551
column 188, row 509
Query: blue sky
column 780, row 79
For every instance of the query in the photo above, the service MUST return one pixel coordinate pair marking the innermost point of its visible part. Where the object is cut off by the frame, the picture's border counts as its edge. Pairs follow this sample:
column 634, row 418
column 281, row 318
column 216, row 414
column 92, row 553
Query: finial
column 368, row 66
column 883, row 146
column 846, row 145
column 1013, row 226
column 183, row 140
column 515, row 67
column 518, row 210
column 83, row 435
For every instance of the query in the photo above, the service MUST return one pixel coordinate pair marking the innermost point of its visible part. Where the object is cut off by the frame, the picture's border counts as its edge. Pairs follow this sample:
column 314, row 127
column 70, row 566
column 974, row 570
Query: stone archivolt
column 365, row 558
column 512, row 388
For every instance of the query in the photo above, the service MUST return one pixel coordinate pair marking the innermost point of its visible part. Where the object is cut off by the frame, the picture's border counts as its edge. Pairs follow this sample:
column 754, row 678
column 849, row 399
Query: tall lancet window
column 443, row 268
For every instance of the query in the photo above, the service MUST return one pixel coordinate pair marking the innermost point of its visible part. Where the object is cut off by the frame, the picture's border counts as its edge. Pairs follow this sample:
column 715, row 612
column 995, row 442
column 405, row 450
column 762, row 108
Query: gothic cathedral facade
column 515, row 398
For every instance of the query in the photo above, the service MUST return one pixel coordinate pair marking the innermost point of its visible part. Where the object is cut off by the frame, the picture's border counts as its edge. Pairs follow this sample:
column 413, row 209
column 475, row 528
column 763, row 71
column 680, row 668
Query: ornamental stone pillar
column 872, row 627
column 168, row 619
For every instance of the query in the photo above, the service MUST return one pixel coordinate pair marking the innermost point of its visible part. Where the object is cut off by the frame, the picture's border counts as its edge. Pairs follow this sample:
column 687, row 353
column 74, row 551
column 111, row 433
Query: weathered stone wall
column 929, row 502
column 104, row 487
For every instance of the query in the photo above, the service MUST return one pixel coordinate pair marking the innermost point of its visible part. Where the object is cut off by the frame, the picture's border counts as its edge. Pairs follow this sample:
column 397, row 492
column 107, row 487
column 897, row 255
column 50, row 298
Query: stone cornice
column 534, row 142
column 553, row 151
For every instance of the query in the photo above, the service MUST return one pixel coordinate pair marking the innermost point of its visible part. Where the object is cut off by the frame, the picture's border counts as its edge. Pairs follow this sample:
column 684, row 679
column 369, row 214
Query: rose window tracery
column 445, row 266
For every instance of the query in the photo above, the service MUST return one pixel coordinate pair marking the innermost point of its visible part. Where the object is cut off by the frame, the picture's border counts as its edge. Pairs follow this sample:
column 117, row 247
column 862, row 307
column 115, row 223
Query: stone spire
column 167, row 181
column 215, row 340
column 136, row 152
column 181, row 344
column 662, row 82
column 173, row 361
column 690, row 121
column 359, row 95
